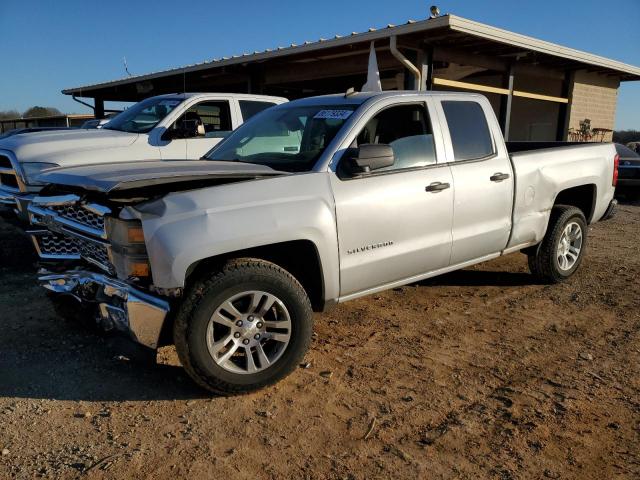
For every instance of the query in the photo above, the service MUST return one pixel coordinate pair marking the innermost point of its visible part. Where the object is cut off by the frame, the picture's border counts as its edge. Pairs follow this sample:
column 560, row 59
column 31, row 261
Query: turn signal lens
column 135, row 235
column 616, row 164
column 138, row 269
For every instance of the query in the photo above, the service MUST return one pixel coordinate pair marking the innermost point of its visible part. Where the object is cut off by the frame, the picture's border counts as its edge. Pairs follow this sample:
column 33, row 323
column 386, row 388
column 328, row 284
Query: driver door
column 214, row 123
column 393, row 225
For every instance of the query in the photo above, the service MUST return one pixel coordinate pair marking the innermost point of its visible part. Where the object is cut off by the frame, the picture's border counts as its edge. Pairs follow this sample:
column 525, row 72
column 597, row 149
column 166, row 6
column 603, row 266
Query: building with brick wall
column 539, row 90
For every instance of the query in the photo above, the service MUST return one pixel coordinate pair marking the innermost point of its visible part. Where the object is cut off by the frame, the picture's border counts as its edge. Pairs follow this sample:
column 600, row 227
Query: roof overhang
column 444, row 31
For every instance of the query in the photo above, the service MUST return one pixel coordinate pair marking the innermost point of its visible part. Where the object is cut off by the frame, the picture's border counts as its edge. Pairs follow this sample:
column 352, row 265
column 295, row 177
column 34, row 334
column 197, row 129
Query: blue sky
column 50, row 45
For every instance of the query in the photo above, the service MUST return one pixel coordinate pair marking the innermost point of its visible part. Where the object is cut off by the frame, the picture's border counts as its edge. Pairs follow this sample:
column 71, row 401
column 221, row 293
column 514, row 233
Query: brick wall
column 594, row 97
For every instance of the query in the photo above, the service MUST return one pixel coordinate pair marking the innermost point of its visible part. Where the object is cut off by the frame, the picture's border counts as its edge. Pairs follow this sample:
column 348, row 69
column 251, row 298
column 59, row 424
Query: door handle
column 498, row 177
column 436, row 187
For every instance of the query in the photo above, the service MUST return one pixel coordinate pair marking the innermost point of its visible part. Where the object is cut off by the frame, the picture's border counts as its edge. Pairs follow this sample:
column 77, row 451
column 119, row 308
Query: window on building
column 470, row 134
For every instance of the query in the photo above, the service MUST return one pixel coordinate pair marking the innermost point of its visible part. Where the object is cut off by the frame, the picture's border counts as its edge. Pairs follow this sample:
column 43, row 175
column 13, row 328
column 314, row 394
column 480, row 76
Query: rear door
column 393, row 224
column 482, row 176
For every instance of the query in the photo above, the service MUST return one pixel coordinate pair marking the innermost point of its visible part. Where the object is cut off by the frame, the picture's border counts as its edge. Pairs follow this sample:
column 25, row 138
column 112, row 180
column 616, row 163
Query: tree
column 9, row 114
column 38, row 111
column 626, row 136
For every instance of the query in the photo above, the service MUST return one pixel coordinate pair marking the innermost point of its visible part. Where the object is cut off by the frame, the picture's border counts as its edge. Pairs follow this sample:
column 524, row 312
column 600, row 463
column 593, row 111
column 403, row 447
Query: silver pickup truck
column 309, row 204
column 176, row 126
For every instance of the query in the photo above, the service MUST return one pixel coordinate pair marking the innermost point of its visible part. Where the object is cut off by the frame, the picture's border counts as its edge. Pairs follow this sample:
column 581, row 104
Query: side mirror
column 372, row 156
column 184, row 129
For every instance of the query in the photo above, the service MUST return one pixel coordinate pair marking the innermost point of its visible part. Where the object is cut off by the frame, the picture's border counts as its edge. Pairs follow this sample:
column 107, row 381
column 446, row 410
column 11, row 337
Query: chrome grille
column 95, row 253
column 8, row 177
column 51, row 244
column 73, row 228
column 80, row 214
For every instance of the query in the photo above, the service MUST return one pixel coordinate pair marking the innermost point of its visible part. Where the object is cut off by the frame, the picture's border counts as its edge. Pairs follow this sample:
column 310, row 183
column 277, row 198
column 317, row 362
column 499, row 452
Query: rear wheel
column 245, row 327
column 560, row 253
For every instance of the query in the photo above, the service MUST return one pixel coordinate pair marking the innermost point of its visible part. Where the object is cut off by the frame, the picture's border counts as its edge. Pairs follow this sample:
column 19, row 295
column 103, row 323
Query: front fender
column 184, row 228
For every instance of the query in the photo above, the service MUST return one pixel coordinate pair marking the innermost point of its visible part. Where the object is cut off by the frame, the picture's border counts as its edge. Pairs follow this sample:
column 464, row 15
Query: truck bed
column 544, row 168
column 526, row 146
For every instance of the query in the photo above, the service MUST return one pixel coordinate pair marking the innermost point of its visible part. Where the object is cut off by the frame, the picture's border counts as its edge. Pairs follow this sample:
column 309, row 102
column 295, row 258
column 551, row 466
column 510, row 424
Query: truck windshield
column 143, row 116
column 290, row 138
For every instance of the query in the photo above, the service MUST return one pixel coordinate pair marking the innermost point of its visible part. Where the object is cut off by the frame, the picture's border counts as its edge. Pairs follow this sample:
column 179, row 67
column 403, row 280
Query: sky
column 50, row 45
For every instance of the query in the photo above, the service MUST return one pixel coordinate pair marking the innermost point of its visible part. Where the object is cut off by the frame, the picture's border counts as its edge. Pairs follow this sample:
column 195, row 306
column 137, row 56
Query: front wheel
column 245, row 327
column 560, row 253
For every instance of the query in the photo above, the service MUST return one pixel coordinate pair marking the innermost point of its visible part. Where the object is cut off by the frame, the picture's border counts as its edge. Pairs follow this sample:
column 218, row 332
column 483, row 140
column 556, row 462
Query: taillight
column 616, row 163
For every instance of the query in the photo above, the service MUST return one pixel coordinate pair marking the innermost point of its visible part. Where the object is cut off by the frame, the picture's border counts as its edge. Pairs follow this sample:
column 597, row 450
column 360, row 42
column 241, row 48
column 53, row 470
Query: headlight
column 128, row 251
column 31, row 170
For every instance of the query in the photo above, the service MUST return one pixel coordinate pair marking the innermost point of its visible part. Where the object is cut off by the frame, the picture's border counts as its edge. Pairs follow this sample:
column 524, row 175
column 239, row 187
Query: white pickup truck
column 176, row 127
column 310, row 203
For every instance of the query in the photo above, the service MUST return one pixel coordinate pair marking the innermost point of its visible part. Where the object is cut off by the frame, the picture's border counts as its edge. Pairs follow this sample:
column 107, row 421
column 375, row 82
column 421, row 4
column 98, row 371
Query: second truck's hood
column 110, row 177
column 39, row 146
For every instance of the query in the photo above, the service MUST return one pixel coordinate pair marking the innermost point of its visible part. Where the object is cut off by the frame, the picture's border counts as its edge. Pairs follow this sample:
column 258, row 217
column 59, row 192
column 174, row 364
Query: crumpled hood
column 52, row 146
column 110, row 177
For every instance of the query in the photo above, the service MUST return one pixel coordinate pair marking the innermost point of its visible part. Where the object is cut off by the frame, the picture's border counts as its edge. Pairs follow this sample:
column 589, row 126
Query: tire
column 211, row 344
column 545, row 261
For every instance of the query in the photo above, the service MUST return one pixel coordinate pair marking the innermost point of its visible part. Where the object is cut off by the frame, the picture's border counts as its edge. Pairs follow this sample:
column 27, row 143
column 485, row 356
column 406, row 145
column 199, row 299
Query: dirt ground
column 477, row 374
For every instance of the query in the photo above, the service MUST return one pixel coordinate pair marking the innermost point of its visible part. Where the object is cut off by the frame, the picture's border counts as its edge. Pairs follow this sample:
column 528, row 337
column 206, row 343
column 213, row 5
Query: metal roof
column 450, row 22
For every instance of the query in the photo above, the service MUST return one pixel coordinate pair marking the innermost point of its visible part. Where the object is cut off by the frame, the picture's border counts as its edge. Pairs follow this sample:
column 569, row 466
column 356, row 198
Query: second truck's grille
column 5, row 162
column 8, row 177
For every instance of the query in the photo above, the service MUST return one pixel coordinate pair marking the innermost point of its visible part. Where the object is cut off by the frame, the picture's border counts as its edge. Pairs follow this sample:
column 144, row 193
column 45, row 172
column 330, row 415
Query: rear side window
column 249, row 108
column 469, row 130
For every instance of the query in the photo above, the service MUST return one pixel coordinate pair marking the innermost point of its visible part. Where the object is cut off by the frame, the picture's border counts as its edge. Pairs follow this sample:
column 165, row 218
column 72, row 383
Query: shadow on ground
column 475, row 278
column 67, row 362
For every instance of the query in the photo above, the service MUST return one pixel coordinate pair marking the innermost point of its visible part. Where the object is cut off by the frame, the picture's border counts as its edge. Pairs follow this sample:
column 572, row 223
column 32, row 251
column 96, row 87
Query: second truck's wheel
column 559, row 254
column 245, row 327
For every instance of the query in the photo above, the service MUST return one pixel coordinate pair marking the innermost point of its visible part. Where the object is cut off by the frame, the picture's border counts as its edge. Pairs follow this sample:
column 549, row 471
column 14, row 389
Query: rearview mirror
column 372, row 156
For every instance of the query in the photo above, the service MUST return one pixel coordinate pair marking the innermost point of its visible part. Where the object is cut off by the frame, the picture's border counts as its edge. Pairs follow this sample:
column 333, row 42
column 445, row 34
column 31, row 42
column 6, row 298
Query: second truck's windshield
column 143, row 116
column 289, row 139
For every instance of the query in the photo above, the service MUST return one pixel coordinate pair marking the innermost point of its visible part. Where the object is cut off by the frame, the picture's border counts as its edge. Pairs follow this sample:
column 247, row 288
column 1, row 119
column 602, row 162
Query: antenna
column 126, row 67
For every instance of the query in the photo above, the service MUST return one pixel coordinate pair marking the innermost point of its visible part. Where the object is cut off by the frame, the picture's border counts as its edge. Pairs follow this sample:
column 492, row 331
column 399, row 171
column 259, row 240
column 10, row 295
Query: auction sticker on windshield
column 334, row 114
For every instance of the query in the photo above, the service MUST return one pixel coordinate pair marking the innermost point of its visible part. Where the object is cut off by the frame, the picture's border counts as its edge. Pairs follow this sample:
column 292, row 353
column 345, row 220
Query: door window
column 208, row 119
column 406, row 128
column 469, row 130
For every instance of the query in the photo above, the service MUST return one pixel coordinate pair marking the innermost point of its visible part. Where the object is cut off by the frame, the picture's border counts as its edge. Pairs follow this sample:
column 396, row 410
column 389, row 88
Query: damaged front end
column 110, row 269
column 119, row 306
column 89, row 236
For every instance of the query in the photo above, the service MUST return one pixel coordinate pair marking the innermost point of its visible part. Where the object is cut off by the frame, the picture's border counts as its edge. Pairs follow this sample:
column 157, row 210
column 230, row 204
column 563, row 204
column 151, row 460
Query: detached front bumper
column 120, row 306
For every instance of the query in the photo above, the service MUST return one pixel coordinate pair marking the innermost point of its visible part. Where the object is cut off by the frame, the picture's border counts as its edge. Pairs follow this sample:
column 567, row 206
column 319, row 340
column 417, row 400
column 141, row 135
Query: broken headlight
column 128, row 251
